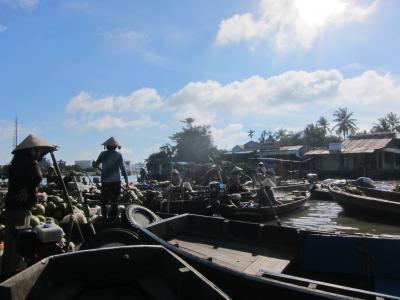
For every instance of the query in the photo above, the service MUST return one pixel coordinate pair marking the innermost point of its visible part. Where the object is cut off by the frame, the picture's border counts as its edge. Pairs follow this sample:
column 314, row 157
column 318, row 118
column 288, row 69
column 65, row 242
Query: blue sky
column 78, row 72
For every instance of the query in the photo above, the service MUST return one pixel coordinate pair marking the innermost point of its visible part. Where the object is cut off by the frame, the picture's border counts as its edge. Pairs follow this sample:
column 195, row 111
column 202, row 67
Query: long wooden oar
column 86, row 209
column 278, row 221
column 69, row 204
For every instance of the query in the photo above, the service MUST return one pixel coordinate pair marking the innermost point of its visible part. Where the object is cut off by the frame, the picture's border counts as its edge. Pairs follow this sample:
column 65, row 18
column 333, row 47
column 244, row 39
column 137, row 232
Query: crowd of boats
column 201, row 242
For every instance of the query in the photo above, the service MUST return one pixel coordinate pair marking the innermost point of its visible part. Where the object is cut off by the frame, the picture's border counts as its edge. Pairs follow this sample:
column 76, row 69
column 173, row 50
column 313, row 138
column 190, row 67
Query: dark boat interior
column 131, row 272
column 286, row 252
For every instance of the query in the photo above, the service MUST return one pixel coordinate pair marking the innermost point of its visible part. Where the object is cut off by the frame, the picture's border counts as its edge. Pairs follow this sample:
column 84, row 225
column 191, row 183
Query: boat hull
column 367, row 206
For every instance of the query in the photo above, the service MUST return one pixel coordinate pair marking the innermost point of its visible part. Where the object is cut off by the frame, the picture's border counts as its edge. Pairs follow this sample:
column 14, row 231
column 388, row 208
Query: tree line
column 194, row 143
column 320, row 133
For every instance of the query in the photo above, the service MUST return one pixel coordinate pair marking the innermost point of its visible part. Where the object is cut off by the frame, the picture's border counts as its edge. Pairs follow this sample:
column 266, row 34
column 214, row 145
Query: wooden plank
column 236, row 260
column 271, row 264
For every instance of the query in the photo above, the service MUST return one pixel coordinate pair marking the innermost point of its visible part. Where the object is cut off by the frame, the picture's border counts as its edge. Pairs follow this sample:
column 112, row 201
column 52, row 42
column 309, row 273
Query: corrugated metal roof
column 364, row 145
column 393, row 150
column 291, row 148
column 317, row 152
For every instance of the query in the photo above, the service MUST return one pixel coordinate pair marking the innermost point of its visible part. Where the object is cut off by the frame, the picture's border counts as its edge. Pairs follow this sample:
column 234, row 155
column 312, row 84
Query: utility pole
column 15, row 135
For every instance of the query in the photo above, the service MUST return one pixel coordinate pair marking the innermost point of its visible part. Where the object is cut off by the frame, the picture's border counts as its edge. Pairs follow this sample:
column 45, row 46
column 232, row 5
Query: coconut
column 35, row 221
column 38, row 209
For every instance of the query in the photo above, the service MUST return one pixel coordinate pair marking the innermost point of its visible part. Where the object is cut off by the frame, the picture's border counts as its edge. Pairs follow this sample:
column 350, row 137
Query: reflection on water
column 328, row 216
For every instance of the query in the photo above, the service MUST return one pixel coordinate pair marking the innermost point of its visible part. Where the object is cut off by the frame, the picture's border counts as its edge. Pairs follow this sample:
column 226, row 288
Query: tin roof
column 367, row 143
column 364, row 144
column 317, row 152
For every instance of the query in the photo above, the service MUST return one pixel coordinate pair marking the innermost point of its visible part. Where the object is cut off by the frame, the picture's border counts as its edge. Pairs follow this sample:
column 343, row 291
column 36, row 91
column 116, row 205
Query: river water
column 328, row 216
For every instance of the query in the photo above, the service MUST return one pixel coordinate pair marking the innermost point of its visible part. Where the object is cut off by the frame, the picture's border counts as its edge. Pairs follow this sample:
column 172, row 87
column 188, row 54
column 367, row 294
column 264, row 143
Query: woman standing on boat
column 111, row 164
column 24, row 180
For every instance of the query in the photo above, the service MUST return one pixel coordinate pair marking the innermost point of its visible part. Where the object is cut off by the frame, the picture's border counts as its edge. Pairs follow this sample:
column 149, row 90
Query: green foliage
column 387, row 124
column 344, row 123
column 193, row 144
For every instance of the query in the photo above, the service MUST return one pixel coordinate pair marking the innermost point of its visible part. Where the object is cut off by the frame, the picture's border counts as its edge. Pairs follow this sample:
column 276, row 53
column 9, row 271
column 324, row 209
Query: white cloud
column 255, row 95
column 138, row 101
column 289, row 23
column 290, row 93
column 25, row 4
column 110, row 122
column 229, row 136
column 85, row 103
column 288, row 99
column 2, row 28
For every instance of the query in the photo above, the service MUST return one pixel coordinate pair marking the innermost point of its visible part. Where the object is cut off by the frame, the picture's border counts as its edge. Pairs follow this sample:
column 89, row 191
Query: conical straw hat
column 112, row 142
column 236, row 170
column 32, row 141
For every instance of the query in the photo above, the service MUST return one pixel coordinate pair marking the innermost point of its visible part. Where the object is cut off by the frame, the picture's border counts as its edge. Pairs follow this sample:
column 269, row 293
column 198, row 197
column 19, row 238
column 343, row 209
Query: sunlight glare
column 315, row 12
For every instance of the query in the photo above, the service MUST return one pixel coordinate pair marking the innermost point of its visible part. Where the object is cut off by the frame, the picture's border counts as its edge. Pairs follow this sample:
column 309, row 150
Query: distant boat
column 366, row 205
column 257, row 261
column 289, row 203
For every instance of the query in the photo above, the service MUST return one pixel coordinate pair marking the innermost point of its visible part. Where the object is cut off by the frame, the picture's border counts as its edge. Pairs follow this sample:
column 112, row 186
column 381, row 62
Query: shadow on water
column 328, row 216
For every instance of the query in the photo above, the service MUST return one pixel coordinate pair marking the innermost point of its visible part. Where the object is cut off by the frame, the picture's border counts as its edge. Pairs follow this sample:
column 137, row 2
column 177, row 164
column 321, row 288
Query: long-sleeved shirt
column 112, row 162
column 23, row 174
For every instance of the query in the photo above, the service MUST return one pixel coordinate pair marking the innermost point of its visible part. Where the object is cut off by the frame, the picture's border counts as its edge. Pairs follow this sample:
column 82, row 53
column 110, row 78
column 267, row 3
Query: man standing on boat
column 111, row 164
column 24, row 180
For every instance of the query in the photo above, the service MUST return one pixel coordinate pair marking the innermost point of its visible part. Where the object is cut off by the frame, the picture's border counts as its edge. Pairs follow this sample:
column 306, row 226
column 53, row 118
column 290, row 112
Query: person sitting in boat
column 24, row 181
column 265, row 195
column 52, row 178
column 176, row 179
column 143, row 175
column 261, row 170
column 112, row 163
column 212, row 174
column 235, row 185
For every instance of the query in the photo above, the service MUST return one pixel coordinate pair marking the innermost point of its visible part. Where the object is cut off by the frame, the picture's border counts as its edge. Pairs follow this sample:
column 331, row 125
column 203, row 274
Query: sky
column 77, row 72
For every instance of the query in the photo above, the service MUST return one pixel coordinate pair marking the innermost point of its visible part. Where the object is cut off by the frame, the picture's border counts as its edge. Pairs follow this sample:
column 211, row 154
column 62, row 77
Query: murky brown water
column 328, row 216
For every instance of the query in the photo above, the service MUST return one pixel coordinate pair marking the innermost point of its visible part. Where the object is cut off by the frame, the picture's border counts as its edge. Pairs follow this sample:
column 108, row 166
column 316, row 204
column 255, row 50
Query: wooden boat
column 255, row 261
column 133, row 272
column 290, row 202
column 198, row 205
column 366, row 206
column 382, row 194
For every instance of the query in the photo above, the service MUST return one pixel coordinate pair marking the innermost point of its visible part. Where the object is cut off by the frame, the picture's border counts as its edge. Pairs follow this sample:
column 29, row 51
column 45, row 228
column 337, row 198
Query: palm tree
column 323, row 124
column 344, row 123
column 381, row 126
column 392, row 120
column 250, row 134
column 189, row 122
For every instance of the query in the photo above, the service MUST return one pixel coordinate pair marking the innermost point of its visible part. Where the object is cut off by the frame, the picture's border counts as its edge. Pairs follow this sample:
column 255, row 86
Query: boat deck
column 250, row 260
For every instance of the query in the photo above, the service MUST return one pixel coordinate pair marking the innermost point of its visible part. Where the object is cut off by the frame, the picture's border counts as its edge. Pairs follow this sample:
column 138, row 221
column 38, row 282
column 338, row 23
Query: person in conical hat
column 235, row 185
column 112, row 163
column 213, row 174
column 24, row 179
column 112, row 142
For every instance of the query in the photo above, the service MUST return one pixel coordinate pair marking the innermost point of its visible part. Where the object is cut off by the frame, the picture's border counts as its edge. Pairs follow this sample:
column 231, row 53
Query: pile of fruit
column 53, row 208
